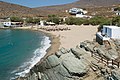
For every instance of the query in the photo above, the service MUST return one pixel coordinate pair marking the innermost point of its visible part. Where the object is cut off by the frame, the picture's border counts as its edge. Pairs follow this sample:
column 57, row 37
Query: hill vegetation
column 100, row 7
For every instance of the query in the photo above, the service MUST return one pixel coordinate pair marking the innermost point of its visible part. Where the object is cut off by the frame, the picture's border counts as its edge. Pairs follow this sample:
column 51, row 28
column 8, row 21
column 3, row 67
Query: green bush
column 117, row 9
column 116, row 21
column 16, row 19
column 86, row 22
column 95, row 20
column 53, row 18
column 33, row 20
column 74, row 21
column 69, row 21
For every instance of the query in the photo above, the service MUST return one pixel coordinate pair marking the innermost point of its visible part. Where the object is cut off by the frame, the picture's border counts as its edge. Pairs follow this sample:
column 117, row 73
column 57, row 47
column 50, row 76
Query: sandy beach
column 66, row 38
column 75, row 35
column 69, row 39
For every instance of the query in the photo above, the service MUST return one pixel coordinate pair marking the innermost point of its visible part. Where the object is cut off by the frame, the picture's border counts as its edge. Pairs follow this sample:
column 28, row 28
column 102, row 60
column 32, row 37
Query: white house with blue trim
column 107, row 33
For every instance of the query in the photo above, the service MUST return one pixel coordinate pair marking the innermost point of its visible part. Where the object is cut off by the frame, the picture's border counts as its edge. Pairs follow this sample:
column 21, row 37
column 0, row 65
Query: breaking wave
column 38, row 54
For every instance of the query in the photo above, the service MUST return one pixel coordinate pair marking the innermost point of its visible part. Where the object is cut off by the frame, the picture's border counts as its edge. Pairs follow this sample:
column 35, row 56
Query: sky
column 39, row 3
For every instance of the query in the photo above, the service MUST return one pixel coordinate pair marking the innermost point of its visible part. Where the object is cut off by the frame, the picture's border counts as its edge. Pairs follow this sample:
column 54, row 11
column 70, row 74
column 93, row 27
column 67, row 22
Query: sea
column 20, row 50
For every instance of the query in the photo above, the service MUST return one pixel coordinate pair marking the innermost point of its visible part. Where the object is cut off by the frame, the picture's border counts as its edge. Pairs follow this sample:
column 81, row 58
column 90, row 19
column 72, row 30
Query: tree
column 53, row 18
column 16, row 19
column 116, row 21
column 69, row 21
column 33, row 20
column 117, row 9
column 98, row 20
column 74, row 21
column 36, row 20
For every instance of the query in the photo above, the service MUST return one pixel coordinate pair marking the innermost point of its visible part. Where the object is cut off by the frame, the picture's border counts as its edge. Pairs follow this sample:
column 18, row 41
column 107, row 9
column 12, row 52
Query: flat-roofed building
column 107, row 33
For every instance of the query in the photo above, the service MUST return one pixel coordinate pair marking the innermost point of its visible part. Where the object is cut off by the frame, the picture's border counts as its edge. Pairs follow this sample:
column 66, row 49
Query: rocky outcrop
column 63, row 65
column 116, row 74
column 78, row 52
column 76, row 63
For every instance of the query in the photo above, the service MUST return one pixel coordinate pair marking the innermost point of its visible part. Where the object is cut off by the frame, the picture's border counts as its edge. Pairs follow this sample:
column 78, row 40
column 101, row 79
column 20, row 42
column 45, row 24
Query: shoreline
column 66, row 39
column 54, row 44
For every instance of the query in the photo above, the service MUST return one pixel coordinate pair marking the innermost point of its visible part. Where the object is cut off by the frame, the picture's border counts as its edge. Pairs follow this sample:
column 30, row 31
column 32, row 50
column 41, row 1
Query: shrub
column 86, row 22
column 33, row 20
column 116, row 21
column 16, row 19
column 74, row 21
column 117, row 9
column 53, row 18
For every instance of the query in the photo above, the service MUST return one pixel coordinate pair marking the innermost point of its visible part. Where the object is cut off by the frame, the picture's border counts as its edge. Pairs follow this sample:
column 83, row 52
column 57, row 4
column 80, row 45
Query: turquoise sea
column 19, row 51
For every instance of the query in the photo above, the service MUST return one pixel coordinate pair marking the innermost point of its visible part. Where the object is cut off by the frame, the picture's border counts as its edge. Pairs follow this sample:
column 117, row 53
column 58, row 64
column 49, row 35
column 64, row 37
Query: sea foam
column 38, row 54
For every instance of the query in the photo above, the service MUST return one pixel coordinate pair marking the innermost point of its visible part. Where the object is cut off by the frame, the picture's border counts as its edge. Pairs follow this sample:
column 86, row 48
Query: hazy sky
column 38, row 3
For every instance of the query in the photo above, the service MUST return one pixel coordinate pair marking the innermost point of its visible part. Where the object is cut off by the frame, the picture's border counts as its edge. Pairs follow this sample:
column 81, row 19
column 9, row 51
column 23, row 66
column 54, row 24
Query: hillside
column 82, row 4
column 97, row 6
column 8, row 9
column 100, row 7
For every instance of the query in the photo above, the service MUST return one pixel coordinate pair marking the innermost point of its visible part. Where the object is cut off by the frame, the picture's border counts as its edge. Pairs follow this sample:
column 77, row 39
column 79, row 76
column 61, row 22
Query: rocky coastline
column 84, row 62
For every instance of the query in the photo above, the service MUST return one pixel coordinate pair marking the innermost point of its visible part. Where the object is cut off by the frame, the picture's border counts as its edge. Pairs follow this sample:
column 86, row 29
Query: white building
column 13, row 24
column 81, row 16
column 42, row 23
column 7, row 24
column 107, row 33
column 76, row 11
column 117, row 13
column 80, row 13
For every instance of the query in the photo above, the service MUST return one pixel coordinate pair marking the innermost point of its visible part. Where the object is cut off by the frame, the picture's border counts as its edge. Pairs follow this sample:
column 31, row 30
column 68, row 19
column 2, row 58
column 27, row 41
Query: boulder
column 39, row 75
column 75, row 66
column 33, row 77
column 78, row 52
column 116, row 74
column 48, row 63
column 117, row 42
column 43, row 66
column 44, row 77
column 63, row 50
column 53, row 75
column 58, row 53
column 87, row 45
column 112, row 54
column 83, row 44
column 56, row 73
column 64, row 56
column 90, row 47
column 62, row 71
column 100, row 51
column 53, row 60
